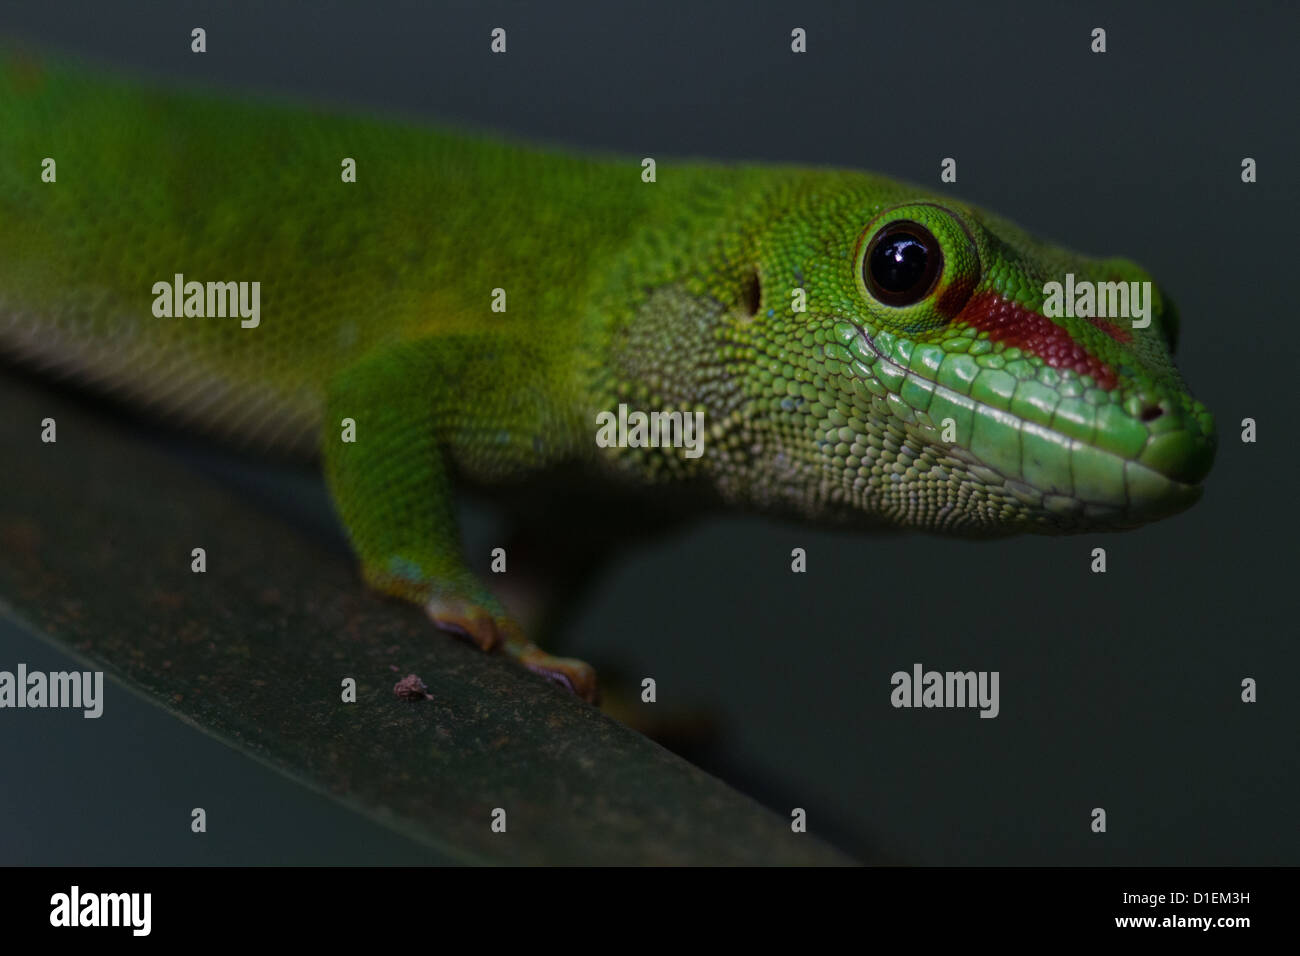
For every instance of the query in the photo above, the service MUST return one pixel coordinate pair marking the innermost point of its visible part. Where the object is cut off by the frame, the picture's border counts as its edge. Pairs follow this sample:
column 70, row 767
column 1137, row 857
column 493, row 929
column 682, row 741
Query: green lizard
column 862, row 351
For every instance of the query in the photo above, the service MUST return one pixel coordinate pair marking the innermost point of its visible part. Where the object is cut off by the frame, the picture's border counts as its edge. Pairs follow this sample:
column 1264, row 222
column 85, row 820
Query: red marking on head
column 1111, row 329
column 1005, row 321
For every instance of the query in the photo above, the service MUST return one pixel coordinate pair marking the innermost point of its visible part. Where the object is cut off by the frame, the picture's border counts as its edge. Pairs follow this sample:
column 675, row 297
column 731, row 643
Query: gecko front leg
column 412, row 405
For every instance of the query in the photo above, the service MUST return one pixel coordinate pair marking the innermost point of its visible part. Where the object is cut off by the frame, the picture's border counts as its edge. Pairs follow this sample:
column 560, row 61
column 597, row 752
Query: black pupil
column 900, row 264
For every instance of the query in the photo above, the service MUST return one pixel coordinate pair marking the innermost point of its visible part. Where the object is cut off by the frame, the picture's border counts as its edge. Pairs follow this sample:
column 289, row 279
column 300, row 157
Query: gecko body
column 857, row 350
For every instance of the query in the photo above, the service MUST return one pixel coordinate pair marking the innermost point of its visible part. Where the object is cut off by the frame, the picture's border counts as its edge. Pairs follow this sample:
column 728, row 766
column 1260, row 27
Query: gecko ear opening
column 751, row 294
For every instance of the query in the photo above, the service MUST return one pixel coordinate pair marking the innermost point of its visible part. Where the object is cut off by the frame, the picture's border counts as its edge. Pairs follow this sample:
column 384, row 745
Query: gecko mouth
column 1118, row 465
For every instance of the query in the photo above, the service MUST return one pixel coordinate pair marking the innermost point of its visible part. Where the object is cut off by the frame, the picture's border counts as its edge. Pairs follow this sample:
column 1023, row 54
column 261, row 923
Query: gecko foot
column 575, row 676
column 490, row 632
column 469, row 620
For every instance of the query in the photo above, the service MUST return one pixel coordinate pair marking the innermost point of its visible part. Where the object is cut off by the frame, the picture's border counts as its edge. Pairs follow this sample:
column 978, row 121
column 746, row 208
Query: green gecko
column 863, row 351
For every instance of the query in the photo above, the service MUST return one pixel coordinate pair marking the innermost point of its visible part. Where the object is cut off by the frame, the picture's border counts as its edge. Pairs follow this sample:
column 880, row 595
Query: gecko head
column 952, row 372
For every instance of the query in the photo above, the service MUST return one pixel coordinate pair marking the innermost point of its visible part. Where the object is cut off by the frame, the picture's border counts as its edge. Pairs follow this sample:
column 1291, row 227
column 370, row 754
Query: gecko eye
column 902, row 263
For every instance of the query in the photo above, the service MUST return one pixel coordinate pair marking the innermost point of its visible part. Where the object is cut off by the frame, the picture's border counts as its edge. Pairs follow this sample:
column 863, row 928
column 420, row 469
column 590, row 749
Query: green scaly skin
column 677, row 294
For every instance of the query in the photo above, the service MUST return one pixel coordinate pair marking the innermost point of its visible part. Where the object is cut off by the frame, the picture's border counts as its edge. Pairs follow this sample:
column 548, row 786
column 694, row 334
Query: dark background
column 1118, row 690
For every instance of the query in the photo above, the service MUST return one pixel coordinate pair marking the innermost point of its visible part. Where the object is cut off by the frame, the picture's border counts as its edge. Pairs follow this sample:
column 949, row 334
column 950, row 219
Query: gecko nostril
column 1150, row 412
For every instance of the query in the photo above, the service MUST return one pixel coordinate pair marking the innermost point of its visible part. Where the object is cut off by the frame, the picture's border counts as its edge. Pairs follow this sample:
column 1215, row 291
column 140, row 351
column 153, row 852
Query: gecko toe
column 577, row 677
column 466, row 620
